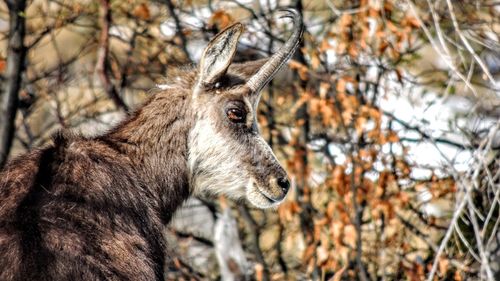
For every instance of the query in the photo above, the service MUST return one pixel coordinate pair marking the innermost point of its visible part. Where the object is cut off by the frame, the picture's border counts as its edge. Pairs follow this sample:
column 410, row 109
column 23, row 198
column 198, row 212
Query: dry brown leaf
column 345, row 20
column 301, row 69
column 3, row 64
column 443, row 266
column 315, row 61
column 350, row 235
column 353, row 50
column 323, row 89
column 330, row 209
column 141, row 11
column 411, row 22
column 324, row 46
column 392, row 137
column 321, row 255
column 308, row 253
column 221, row 19
column 259, row 272
column 341, row 85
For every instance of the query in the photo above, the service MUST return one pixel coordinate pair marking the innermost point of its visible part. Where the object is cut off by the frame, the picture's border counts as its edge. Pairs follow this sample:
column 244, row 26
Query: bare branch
column 178, row 27
column 103, row 55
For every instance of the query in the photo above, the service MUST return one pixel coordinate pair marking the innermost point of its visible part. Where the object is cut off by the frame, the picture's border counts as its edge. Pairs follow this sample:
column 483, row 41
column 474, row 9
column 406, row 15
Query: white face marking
column 237, row 166
column 216, row 167
column 214, row 164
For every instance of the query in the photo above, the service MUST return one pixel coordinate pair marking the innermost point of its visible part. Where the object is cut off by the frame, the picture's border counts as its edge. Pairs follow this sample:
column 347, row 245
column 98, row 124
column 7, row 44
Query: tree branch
column 253, row 230
column 178, row 27
column 103, row 55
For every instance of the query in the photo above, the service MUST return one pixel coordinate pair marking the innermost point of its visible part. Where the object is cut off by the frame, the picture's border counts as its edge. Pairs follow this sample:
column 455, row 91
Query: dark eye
column 236, row 115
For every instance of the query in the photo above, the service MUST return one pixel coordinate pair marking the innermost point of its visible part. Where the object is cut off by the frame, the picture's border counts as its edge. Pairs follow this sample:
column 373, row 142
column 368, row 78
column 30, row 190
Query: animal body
column 93, row 208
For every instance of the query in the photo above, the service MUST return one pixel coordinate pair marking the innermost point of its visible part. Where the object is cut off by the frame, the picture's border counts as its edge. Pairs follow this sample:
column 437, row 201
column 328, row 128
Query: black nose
column 284, row 183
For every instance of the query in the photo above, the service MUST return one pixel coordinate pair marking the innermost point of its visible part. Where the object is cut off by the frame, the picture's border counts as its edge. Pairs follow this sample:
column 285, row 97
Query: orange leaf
column 350, row 235
column 443, row 265
column 323, row 89
column 259, row 272
column 301, row 69
column 383, row 46
column 372, row 12
column 142, row 12
column 309, row 252
column 359, row 125
column 3, row 64
column 330, row 209
column 324, row 46
column 341, row 83
column 345, row 20
column 412, row 22
column 392, row 27
column 321, row 255
column 404, row 197
column 392, row 137
column 221, row 19
column 315, row 61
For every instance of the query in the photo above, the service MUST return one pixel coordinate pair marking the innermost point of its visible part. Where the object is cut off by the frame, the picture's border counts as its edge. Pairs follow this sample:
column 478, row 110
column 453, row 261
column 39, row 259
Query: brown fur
column 94, row 208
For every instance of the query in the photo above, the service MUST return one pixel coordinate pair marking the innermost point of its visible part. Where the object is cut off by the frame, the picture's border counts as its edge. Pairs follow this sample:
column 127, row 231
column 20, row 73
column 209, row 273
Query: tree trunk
column 16, row 53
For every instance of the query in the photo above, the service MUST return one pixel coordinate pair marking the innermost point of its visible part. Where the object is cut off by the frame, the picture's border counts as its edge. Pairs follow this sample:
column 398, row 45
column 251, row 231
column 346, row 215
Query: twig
column 178, row 27
column 445, row 53
column 424, row 135
column 466, row 43
column 102, row 57
column 475, row 226
column 253, row 230
column 466, row 186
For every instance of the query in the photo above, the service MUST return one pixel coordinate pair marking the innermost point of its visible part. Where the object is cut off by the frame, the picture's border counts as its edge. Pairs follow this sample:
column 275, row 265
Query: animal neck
column 155, row 139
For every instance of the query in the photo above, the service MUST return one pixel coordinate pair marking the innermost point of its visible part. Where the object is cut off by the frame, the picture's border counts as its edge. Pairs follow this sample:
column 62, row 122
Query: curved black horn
column 268, row 70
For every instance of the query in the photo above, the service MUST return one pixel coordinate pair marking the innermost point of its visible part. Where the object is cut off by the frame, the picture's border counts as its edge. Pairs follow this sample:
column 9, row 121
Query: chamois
column 94, row 208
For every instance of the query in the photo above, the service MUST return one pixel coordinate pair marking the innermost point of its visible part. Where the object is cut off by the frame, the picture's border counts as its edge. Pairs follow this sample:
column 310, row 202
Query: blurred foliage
column 356, row 214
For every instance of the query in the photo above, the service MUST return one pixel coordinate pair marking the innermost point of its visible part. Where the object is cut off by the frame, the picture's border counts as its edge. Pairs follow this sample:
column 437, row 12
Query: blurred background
column 386, row 118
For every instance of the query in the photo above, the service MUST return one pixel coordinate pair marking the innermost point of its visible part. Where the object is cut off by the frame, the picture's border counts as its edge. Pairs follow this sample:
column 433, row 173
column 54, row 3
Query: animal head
column 226, row 153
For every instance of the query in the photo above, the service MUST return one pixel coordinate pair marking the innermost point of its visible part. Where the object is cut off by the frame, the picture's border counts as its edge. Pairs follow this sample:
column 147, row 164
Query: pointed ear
column 245, row 70
column 218, row 54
